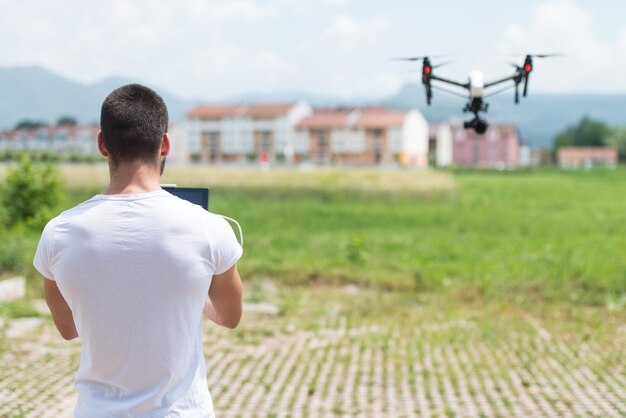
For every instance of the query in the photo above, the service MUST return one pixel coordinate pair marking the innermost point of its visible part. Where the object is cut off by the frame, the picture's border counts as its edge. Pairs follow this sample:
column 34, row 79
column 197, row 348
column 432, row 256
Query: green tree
column 587, row 133
column 67, row 121
column 617, row 139
column 30, row 192
column 30, row 124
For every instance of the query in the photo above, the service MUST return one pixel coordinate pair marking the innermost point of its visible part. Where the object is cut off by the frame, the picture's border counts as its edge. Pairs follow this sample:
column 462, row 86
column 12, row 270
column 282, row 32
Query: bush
column 48, row 156
column 11, row 254
column 29, row 193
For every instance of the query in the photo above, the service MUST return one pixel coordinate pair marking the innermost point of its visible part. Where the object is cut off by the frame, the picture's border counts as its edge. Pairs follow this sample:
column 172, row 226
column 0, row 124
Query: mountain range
column 35, row 93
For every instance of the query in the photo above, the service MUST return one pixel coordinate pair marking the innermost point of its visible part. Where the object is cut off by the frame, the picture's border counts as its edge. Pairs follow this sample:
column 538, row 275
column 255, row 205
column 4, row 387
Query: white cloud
column 346, row 35
column 308, row 5
column 181, row 45
column 590, row 64
column 221, row 10
column 367, row 85
column 214, row 67
column 219, row 48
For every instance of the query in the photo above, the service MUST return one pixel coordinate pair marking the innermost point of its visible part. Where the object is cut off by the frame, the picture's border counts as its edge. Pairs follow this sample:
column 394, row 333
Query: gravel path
column 273, row 368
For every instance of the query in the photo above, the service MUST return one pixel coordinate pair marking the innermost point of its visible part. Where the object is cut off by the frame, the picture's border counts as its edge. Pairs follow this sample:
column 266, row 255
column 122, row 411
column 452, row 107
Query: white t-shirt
column 135, row 271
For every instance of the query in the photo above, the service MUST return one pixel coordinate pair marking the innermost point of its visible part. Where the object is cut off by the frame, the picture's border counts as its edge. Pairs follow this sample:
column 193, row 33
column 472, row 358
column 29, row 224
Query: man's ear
column 165, row 145
column 101, row 147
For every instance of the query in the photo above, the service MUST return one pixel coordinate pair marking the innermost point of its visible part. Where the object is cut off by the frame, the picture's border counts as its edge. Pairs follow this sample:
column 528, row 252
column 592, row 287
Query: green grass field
column 397, row 293
column 547, row 235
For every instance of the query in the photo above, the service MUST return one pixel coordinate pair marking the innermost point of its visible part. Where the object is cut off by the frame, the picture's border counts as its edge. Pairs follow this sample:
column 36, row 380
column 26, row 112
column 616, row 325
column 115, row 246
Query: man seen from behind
column 131, row 271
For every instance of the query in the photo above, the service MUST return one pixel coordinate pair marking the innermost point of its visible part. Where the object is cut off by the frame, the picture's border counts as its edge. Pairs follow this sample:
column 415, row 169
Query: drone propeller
column 545, row 55
column 558, row 54
column 528, row 67
column 418, row 58
column 441, row 64
column 432, row 67
column 409, row 58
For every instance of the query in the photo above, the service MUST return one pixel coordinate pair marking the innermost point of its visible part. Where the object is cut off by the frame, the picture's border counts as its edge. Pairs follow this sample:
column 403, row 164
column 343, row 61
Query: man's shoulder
column 184, row 206
column 71, row 213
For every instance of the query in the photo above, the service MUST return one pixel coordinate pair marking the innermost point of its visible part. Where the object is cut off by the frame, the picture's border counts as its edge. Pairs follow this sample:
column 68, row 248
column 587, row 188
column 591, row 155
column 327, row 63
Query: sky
column 212, row 49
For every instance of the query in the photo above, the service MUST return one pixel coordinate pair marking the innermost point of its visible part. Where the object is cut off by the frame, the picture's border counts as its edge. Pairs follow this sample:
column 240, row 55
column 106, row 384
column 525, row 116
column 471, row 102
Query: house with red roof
column 587, row 157
column 240, row 132
column 363, row 136
column 81, row 139
column 59, row 138
column 296, row 133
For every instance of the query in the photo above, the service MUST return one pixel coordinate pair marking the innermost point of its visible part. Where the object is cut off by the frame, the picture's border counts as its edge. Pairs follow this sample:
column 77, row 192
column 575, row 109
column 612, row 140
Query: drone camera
column 477, row 124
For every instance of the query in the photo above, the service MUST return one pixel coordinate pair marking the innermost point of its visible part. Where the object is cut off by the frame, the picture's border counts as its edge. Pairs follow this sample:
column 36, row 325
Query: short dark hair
column 133, row 121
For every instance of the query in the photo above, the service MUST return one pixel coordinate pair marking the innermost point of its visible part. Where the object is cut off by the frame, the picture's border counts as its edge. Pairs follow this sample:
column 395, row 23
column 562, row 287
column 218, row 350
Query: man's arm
column 225, row 302
column 61, row 312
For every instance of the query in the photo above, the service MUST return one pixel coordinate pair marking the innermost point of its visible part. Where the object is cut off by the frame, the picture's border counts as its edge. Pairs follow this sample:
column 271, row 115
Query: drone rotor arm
column 452, row 92
column 501, row 90
column 525, row 86
column 452, row 82
column 502, row 80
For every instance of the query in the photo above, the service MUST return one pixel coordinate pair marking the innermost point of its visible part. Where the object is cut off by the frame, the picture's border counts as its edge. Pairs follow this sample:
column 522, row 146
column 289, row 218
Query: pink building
column 574, row 157
column 499, row 147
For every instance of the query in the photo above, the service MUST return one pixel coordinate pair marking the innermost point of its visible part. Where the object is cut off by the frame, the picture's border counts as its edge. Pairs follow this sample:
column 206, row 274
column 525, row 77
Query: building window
column 475, row 152
column 266, row 141
column 322, row 146
column 214, row 145
column 378, row 145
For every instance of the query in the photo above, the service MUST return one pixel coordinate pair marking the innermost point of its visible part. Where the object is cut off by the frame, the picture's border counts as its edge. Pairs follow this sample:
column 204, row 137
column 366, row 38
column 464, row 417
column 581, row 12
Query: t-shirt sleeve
column 225, row 249
column 44, row 253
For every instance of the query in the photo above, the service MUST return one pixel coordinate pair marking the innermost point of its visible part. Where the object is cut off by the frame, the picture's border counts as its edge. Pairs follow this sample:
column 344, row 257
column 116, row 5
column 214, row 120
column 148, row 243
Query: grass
column 526, row 236
column 18, row 309
column 385, row 181
column 555, row 235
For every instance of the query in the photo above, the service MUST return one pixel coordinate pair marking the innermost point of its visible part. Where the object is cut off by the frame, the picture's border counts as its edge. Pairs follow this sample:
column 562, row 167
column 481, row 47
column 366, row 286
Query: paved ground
column 350, row 363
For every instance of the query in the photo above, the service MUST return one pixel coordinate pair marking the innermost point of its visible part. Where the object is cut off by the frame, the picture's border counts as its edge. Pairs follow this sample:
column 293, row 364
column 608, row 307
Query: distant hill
column 36, row 93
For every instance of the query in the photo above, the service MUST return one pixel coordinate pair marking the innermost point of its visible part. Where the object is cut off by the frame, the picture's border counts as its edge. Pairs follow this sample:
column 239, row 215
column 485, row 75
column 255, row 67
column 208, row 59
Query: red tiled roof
column 252, row 111
column 268, row 110
column 379, row 118
column 325, row 119
column 366, row 118
column 582, row 154
column 50, row 131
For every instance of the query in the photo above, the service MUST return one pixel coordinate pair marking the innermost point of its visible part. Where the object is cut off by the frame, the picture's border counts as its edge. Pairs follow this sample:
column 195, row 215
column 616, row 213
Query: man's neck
column 133, row 178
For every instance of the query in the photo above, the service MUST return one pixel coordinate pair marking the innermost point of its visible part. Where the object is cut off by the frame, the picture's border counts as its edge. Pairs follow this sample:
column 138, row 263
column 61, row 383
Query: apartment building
column 239, row 133
column 62, row 138
column 294, row 132
column 80, row 140
column 363, row 136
